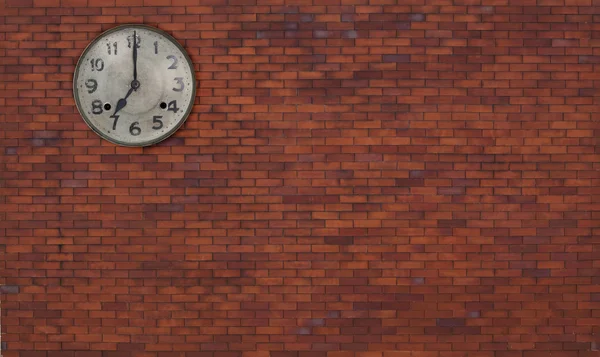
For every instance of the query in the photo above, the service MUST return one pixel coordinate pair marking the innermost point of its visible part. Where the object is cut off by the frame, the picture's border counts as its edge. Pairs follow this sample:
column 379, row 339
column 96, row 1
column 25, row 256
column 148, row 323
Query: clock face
column 134, row 85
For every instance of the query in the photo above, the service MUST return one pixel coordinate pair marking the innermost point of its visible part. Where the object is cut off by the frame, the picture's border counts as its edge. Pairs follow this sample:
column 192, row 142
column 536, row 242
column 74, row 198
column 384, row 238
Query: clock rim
column 167, row 36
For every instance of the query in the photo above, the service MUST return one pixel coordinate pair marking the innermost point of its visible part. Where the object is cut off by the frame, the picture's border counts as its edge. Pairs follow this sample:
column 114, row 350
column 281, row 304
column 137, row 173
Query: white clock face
column 134, row 95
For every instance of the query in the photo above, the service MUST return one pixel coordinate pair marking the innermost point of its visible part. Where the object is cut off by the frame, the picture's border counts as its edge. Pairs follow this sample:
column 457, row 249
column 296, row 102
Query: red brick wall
column 355, row 176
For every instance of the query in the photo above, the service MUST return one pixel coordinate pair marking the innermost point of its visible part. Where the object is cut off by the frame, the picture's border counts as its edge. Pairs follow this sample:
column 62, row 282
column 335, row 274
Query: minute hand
column 134, row 57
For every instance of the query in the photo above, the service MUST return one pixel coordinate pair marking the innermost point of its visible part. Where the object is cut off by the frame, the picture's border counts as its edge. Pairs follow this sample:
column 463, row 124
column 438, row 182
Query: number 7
column 116, row 117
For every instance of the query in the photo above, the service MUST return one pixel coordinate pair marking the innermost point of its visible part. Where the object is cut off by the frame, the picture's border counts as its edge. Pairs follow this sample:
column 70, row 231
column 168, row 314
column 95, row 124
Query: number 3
column 180, row 82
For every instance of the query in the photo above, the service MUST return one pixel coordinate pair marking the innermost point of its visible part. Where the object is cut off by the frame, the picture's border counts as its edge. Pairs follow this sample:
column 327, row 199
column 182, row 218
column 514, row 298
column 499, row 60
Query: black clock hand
column 134, row 83
column 134, row 57
column 123, row 101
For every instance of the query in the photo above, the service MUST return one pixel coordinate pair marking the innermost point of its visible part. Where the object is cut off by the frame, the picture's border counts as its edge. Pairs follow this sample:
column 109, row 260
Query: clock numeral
column 180, row 82
column 116, row 118
column 173, row 106
column 138, row 41
column 97, row 107
column 134, row 129
column 174, row 59
column 158, row 124
column 97, row 64
column 91, row 85
column 114, row 45
column 155, row 47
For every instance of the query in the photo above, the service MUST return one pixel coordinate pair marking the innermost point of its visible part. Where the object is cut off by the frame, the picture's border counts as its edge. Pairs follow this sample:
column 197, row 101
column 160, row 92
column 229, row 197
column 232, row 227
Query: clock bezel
column 168, row 37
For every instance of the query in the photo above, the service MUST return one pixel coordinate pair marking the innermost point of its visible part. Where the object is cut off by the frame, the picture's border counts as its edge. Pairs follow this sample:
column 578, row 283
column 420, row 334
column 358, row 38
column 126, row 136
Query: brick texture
column 369, row 178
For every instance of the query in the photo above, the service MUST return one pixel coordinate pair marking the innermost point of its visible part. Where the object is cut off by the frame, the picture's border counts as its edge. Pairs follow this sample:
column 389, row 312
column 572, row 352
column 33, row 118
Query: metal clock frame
column 166, row 36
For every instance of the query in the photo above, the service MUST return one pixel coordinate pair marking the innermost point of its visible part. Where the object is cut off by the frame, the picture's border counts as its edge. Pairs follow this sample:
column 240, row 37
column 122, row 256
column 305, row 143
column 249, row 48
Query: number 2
column 174, row 59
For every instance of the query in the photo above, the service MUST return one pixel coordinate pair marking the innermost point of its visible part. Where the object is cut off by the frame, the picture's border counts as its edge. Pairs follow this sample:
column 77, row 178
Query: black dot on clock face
column 107, row 106
column 163, row 105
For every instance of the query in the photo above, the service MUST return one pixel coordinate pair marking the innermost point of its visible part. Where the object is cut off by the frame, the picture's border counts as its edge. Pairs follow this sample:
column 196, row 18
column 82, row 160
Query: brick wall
column 420, row 179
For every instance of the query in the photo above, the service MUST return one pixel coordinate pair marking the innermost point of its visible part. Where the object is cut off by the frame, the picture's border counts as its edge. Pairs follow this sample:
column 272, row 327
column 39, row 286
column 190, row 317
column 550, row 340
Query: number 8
column 97, row 107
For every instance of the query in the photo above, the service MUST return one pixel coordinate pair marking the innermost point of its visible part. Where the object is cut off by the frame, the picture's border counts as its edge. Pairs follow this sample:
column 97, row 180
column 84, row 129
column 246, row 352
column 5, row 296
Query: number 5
column 156, row 121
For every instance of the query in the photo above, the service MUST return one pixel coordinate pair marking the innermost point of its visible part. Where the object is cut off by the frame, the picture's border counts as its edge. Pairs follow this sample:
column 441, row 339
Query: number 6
column 134, row 129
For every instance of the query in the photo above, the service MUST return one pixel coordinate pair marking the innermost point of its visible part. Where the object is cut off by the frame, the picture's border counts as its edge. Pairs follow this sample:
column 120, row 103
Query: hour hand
column 123, row 101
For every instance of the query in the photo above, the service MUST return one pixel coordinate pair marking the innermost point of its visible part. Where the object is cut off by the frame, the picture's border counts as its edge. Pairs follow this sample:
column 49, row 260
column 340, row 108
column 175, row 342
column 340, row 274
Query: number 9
column 92, row 85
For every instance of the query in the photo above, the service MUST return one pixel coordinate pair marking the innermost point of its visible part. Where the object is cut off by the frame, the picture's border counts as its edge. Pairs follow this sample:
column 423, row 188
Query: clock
column 134, row 85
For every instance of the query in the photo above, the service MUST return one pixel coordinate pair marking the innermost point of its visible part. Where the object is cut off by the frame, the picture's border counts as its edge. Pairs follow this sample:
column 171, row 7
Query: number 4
column 173, row 106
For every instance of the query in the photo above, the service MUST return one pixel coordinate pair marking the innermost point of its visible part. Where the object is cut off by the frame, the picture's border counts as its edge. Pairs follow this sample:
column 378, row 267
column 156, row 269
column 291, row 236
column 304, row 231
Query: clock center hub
column 144, row 98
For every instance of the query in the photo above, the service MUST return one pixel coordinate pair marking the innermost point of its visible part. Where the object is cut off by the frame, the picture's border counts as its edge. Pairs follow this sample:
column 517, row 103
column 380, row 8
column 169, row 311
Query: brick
column 396, row 58
column 450, row 322
column 9, row 289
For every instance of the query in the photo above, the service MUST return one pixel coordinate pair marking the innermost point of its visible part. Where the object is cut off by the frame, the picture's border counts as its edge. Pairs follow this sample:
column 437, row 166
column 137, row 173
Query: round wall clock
column 134, row 85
